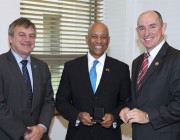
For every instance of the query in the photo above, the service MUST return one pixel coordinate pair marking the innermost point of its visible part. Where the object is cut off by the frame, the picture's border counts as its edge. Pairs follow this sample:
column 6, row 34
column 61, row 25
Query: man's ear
column 108, row 40
column 10, row 39
column 164, row 28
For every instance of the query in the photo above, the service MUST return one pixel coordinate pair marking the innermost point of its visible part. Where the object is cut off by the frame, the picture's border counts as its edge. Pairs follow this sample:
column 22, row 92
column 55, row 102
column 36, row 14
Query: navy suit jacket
column 75, row 95
column 15, row 113
column 159, row 96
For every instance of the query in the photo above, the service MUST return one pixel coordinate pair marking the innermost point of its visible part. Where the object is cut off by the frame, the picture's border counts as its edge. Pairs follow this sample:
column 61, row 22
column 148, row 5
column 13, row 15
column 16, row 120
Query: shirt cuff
column 45, row 129
column 114, row 124
column 77, row 122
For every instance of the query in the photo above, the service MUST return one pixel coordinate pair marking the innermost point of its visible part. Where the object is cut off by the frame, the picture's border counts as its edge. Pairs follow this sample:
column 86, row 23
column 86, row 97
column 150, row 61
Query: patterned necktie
column 93, row 75
column 143, row 70
column 27, row 80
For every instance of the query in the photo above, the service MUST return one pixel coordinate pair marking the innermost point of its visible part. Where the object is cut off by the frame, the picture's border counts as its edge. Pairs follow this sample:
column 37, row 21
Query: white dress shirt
column 154, row 52
column 99, row 66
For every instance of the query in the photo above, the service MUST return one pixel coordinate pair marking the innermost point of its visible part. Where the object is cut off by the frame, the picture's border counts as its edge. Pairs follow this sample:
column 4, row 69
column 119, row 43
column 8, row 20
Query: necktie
column 93, row 75
column 27, row 80
column 143, row 70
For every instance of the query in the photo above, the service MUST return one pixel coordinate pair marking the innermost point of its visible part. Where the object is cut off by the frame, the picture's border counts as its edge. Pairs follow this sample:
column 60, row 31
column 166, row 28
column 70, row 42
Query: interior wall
column 120, row 16
column 170, row 13
column 9, row 10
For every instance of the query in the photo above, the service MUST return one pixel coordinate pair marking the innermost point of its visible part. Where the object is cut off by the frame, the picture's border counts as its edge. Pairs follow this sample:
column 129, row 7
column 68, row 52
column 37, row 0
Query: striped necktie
column 143, row 70
column 27, row 80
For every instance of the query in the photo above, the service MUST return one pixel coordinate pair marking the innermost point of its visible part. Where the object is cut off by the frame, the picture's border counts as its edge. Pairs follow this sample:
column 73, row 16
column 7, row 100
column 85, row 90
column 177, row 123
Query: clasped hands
column 133, row 116
column 86, row 119
column 34, row 133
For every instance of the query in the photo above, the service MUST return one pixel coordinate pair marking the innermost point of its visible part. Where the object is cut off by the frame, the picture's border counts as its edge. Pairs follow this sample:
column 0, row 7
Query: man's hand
column 85, row 118
column 137, row 116
column 108, row 120
column 123, row 113
column 34, row 132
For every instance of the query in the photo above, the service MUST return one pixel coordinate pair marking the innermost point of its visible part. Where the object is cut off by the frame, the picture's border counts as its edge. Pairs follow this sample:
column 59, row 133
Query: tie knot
column 95, row 63
column 146, row 55
column 24, row 62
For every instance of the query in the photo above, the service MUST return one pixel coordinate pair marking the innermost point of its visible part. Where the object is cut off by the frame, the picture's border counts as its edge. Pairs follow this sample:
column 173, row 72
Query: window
column 61, row 29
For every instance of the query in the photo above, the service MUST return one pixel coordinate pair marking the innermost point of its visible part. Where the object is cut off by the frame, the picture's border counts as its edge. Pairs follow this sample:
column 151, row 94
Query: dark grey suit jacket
column 75, row 95
column 159, row 96
column 15, row 114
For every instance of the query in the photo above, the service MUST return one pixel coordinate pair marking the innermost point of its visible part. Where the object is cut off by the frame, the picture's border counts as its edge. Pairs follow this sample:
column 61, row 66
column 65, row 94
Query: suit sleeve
column 63, row 98
column 169, row 113
column 48, row 106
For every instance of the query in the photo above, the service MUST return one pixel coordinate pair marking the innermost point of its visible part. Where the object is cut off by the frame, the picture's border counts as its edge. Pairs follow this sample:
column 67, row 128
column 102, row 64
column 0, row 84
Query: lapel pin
column 156, row 63
column 107, row 69
column 35, row 66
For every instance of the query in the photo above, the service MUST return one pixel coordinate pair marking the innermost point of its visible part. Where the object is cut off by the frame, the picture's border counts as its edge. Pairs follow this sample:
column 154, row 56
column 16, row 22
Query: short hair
column 159, row 16
column 98, row 23
column 22, row 21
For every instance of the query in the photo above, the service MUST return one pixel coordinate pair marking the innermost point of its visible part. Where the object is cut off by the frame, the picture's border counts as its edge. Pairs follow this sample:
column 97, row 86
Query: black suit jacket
column 15, row 113
column 75, row 95
column 159, row 96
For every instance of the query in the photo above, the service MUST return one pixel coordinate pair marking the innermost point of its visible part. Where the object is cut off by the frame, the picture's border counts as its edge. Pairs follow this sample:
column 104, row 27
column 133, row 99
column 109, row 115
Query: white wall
column 170, row 12
column 9, row 10
column 120, row 16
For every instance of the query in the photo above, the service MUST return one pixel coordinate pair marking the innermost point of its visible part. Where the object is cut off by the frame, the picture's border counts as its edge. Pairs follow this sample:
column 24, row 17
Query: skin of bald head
column 98, row 39
column 150, row 29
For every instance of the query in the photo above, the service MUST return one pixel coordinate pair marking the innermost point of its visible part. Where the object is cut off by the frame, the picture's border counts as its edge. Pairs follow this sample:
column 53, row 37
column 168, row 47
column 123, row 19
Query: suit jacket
column 15, row 113
column 75, row 95
column 159, row 96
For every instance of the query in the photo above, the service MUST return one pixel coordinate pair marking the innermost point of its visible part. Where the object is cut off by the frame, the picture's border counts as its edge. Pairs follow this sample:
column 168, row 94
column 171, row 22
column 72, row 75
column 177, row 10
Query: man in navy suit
column 155, row 113
column 78, row 103
column 24, row 116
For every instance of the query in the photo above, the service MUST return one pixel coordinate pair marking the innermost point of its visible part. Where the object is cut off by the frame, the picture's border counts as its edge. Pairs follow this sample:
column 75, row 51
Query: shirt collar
column 155, row 51
column 101, row 59
column 19, row 58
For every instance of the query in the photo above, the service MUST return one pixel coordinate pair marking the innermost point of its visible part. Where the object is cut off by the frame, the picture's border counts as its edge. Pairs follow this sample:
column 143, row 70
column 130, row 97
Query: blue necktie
column 27, row 80
column 93, row 75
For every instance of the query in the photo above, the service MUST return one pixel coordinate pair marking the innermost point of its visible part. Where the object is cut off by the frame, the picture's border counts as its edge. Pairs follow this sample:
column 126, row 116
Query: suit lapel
column 137, row 68
column 156, row 63
column 105, row 75
column 16, row 71
column 36, row 81
column 85, row 72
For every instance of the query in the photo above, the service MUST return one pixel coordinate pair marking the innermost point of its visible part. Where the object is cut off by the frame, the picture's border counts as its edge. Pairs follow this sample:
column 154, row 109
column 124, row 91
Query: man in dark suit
column 24, row 115
column 155, row 113
column 94, row 115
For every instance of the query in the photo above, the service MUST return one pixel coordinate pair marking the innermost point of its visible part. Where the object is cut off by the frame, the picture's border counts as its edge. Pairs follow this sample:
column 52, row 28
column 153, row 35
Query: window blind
column 61, row 29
